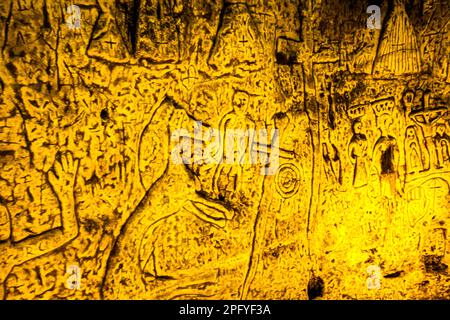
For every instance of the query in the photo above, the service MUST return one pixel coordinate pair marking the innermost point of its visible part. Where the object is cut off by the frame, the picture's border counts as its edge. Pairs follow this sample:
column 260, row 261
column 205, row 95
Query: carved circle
column 287, row 180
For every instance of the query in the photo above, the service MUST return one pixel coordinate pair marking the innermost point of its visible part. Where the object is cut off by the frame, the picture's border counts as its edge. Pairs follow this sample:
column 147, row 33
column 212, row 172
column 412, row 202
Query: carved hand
column 63, row 176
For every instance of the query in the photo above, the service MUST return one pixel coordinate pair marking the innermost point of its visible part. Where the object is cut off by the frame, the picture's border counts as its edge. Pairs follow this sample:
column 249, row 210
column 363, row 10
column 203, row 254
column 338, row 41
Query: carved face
column 410, row 133
column 357, row 127
column 282, row 122
column 240, row 102
column 440, row 130
column 408, row 99
column 385, row 121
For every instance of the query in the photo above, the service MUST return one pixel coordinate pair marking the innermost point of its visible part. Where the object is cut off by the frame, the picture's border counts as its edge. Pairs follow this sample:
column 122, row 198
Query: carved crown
column 356, row 111
column 383, row 106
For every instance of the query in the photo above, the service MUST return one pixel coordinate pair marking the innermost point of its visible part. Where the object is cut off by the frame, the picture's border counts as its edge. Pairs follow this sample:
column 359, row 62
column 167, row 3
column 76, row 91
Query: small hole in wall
column 315, row 288
column 104, row 114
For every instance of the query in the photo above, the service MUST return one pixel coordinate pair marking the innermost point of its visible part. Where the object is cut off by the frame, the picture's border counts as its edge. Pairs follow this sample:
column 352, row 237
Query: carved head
column 384, row 122
column 281, row 120
column 357, row 126
column 240, row 102
column 410, row 133
column 440, row 129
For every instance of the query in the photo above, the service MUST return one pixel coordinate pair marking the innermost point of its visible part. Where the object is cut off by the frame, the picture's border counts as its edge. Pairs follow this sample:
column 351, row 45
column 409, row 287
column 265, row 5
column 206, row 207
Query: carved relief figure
column 413, row 153
column 358, row 154
column 332, row 163
column 151, row 255
column 442, row 145
column 236, row 140
column 386, row 152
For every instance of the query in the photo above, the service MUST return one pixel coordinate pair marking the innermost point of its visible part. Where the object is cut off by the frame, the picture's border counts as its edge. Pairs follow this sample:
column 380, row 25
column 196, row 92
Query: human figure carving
column 413, row 153
column 358, row 155
column 442, row 144
column 62, row 179
column 386, row 157
column 235, row 126
column 152, row 270
column 332, row 163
